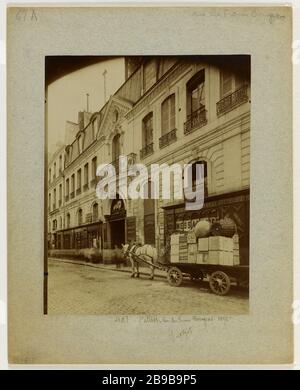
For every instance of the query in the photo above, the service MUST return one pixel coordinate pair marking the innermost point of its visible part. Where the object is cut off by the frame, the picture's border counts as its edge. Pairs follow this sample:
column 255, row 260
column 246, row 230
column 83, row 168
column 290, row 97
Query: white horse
column 145, row 252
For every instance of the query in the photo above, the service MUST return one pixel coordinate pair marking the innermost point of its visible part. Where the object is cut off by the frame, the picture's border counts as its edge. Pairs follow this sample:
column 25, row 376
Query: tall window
column 73, row 183
column 148, row 129
column 60, row 194
column 54, row 198
column 79, row 216
column 116, row 147
column 168, row 114
column 86, row 175
column 79, row 179
column 95, row 212
column 68, row 220
column 67, row 187
column 228, row 82
column 196, row 93
column 49, row 202
column 49, row 175
column 60, row 163
column 54, row 171
column 94, row 167
column 202, row 165
column 149, row 216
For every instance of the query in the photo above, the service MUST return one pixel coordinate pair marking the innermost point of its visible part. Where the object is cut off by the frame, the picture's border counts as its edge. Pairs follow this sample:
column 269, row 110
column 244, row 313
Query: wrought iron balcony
column 67, row 198
column 72, row 194
column 146, row 151
column 168, row 138
column 78, row 191
column 85, row 187
column 232, row 101
column 195, row 120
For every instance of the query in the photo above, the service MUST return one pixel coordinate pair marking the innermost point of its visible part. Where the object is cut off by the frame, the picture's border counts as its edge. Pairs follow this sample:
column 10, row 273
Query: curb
column 100, row 267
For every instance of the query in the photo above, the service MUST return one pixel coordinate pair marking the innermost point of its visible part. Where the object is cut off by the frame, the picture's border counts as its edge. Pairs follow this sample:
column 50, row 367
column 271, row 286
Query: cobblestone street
column 80, row 289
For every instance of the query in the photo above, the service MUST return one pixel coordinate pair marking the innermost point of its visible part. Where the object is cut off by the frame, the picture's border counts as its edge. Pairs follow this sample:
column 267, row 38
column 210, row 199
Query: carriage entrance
column 117, row 233
column 117, row 222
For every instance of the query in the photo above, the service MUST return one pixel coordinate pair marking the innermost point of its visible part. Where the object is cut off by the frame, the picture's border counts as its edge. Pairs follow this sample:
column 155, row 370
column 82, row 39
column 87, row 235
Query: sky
column 67, row 96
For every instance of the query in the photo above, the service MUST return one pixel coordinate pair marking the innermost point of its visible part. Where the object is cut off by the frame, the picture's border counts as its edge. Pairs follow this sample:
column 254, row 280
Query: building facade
column 169, row 110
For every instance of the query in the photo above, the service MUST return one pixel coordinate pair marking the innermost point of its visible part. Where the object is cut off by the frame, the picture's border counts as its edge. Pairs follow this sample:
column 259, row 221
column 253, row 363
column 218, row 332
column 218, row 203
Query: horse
column 146, row 252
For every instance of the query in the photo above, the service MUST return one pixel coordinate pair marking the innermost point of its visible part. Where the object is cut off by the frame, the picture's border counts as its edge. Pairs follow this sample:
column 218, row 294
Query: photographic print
column 148, row 181
column 149, row 187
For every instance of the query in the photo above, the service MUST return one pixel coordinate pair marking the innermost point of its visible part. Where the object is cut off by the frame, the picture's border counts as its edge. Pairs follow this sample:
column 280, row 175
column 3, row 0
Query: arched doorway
column 117, row 222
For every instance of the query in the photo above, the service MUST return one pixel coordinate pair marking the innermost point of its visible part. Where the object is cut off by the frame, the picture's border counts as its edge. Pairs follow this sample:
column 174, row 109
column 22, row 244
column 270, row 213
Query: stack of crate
column 220, row 250
column 236, row 249
column 192, row 247
column 202, row 251
column 179, row 248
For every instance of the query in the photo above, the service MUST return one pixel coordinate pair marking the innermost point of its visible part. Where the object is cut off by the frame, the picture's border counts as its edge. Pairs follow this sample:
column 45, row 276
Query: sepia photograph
column 147, row 185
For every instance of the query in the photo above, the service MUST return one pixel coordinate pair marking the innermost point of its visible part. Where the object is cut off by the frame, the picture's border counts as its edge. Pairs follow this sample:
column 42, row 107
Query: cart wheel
column 219, row 283
column 175, row 276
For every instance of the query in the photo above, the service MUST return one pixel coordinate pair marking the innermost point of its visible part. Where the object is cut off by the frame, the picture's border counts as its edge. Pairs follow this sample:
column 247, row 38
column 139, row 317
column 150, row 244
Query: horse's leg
column 152, row 271
column 132, row 267
column 137, row 269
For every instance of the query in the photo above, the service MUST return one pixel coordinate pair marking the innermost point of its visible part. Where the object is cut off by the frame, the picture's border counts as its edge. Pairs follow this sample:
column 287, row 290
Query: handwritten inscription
column 25, row 14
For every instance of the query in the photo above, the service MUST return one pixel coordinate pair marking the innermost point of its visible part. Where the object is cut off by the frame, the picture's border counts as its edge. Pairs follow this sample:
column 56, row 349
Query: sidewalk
column 112, row 267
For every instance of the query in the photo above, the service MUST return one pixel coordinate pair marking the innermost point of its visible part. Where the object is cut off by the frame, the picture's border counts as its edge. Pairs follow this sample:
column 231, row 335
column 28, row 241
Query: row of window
column 90, row 217
column 70, row 190
column 232, row 93
column 54, row 171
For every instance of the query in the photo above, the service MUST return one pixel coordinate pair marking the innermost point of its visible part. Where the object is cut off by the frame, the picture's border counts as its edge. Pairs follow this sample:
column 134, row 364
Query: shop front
column 233, row 205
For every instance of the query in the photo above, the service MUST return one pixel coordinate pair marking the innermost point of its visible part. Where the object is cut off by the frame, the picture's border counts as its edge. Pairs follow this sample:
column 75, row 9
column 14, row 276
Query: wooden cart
column 220, row 276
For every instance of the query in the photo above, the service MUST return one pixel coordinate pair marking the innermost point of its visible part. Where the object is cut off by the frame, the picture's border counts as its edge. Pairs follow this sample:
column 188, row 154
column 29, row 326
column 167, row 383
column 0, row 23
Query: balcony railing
column 195, row 120
column 67, row 198
column 78, row 191
column 232, row 101
column 146, row 151
column 85, row 187
column 168, row 138
column 72, row 194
